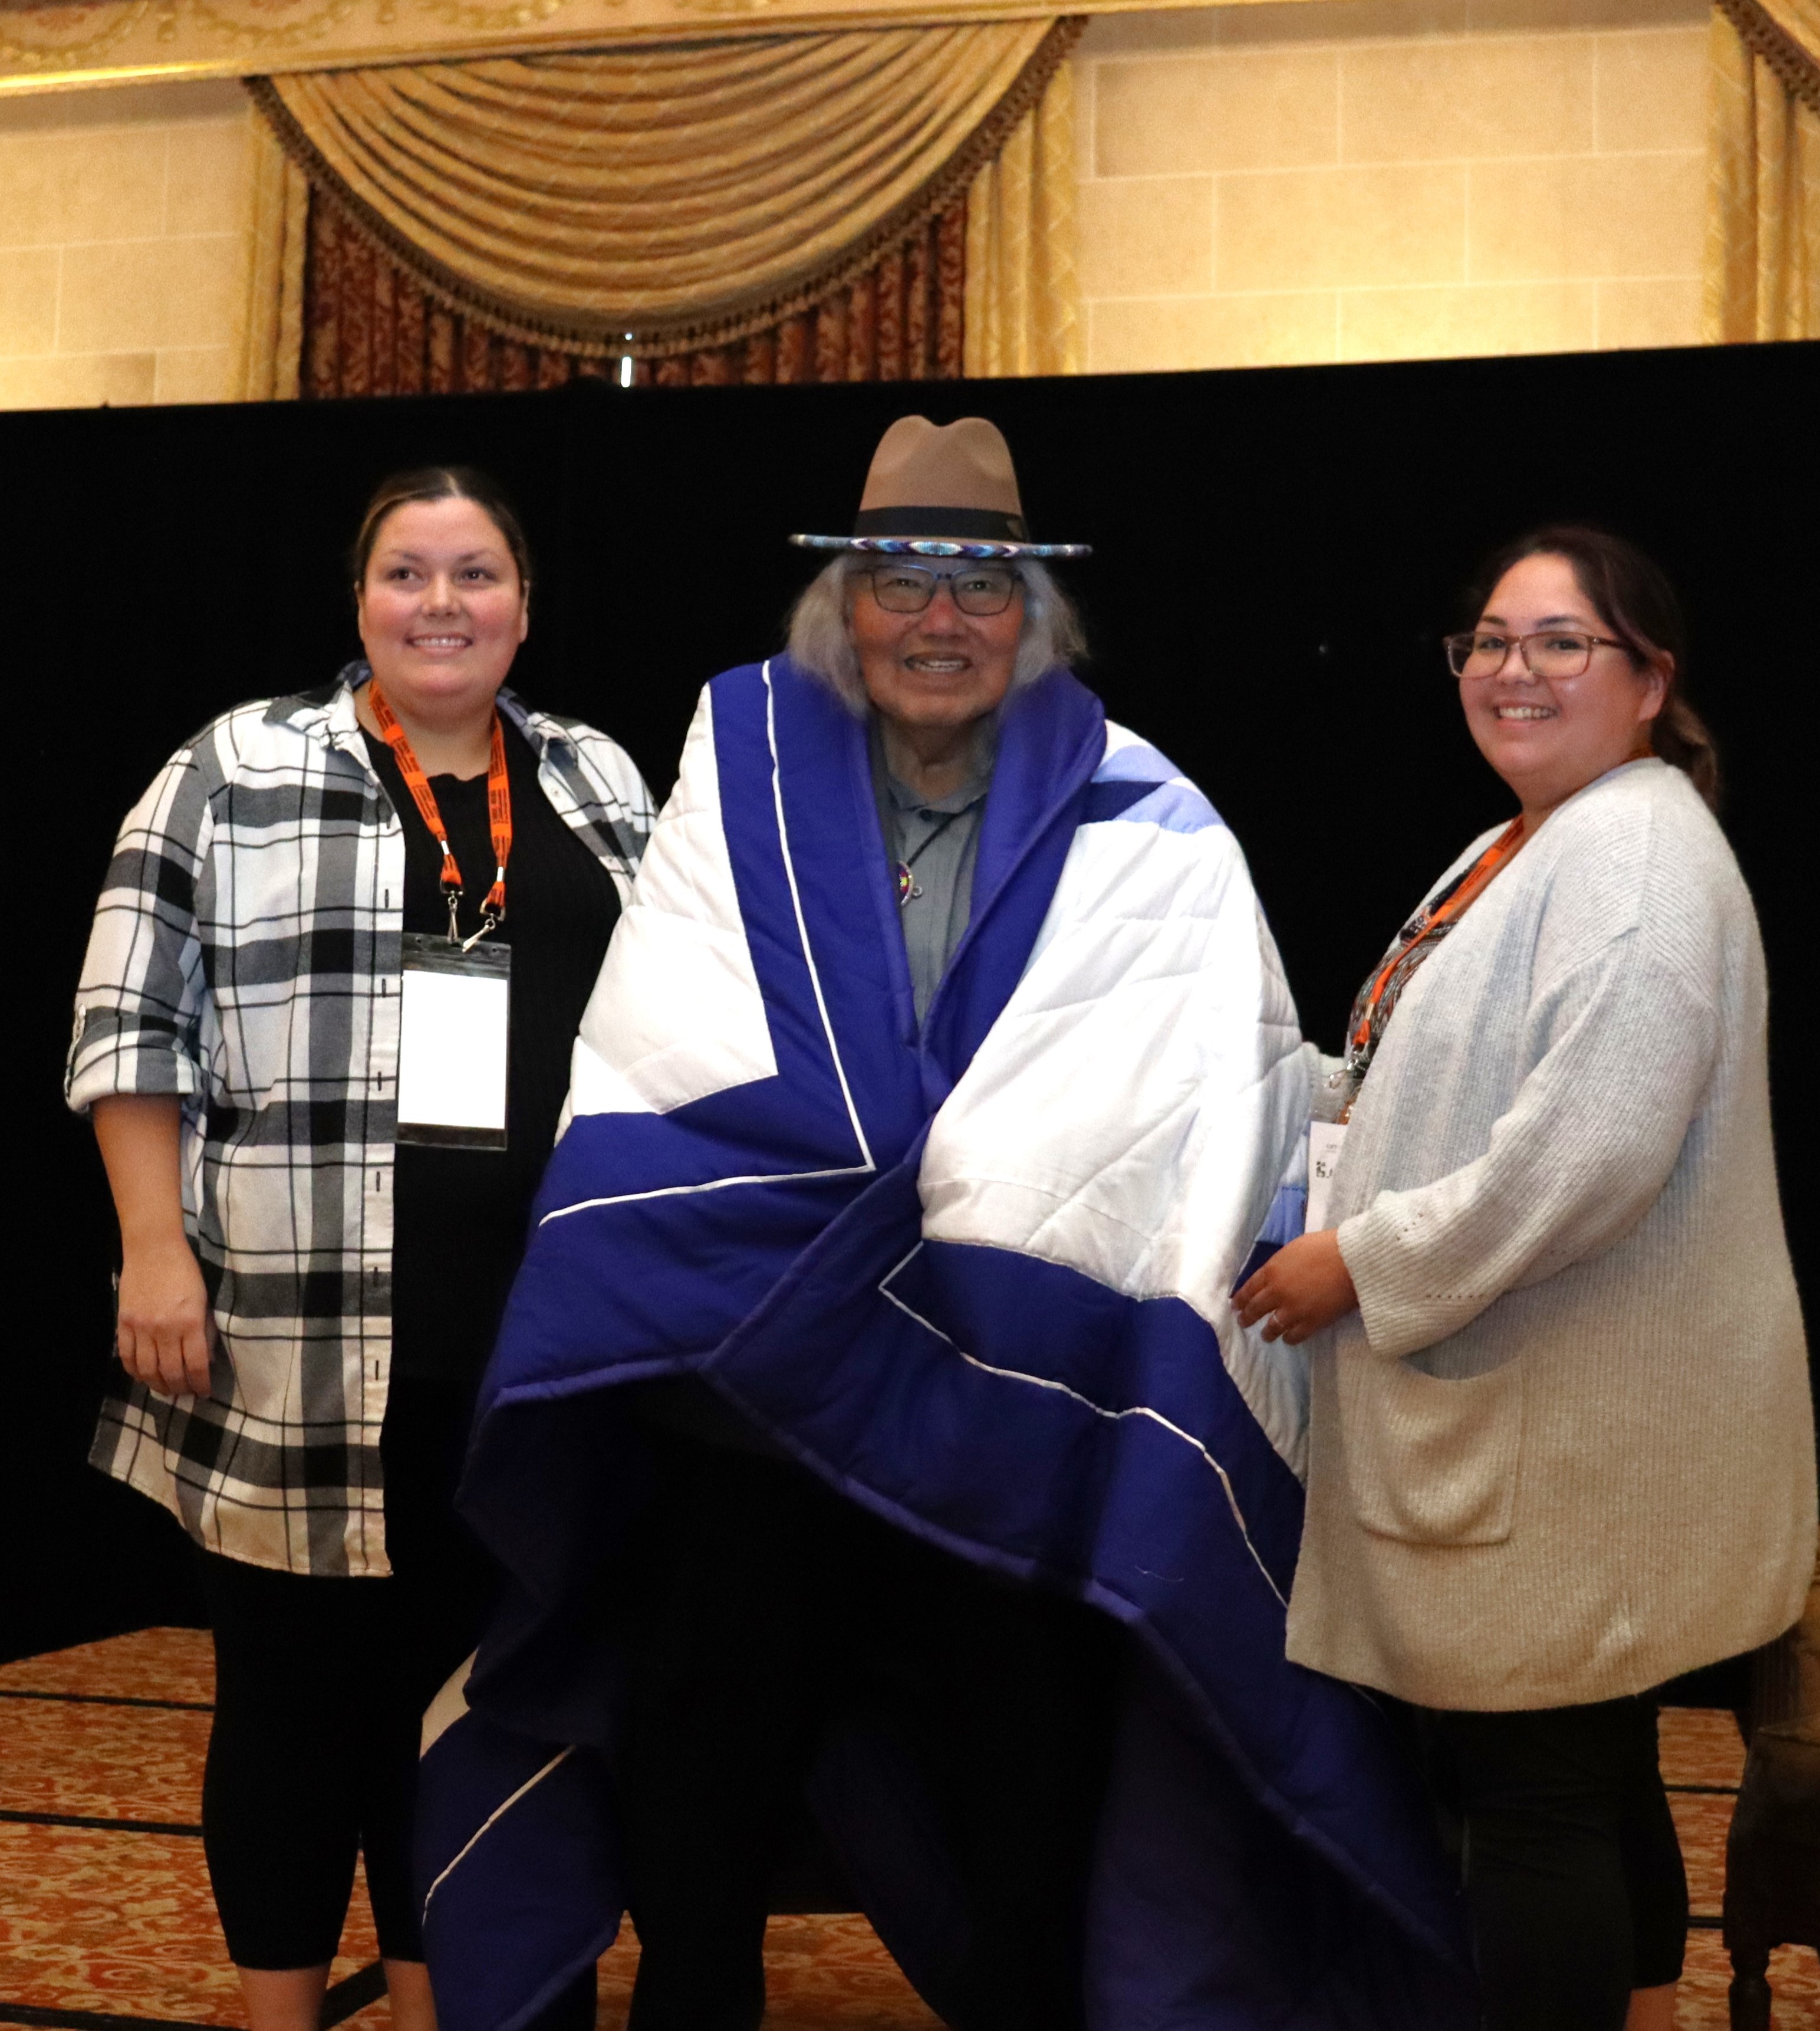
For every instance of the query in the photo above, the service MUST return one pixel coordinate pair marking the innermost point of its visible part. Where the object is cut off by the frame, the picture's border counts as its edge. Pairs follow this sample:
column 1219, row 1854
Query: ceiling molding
column 70, row 44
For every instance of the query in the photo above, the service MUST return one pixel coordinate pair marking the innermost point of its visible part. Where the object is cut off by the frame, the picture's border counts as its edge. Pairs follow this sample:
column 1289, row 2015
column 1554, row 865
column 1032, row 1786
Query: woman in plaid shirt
column 306, row 1301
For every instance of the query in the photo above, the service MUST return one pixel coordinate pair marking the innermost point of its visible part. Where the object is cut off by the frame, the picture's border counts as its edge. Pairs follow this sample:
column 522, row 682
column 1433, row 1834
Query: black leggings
column 775, row 1607
column 320, row 1689
column 1571, row 1862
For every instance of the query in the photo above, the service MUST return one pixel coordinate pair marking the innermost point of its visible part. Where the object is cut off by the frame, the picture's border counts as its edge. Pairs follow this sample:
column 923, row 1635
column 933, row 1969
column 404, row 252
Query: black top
column 458, row 1216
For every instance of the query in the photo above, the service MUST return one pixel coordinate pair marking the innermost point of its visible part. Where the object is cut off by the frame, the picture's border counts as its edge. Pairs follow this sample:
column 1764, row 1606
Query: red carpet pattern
column 106, row 1923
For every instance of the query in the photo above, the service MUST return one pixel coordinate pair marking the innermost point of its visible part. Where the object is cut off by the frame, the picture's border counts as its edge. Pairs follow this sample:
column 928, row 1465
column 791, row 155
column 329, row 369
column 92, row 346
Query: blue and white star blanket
column 976, row 1276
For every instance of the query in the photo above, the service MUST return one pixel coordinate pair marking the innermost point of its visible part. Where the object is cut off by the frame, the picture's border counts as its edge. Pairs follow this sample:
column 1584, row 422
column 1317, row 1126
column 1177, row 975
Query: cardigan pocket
column 1430, row 1461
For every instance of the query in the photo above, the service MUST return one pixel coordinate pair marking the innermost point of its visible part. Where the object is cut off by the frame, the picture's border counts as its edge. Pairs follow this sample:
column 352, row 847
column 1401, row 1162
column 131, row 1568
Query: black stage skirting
column 1276, row 553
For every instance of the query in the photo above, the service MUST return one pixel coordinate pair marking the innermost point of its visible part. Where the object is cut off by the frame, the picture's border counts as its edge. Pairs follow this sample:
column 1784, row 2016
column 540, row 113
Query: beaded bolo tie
column 908, row 889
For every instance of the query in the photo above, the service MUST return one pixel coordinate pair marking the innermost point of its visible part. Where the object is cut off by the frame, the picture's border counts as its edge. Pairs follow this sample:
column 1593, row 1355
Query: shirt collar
column 334, row 719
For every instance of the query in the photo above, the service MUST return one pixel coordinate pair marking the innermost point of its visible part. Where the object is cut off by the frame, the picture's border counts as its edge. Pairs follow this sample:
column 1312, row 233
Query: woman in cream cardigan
column 1562, row 1445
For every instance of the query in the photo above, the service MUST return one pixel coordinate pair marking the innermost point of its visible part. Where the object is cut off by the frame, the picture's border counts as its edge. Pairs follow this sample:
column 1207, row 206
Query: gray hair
column 821, row 643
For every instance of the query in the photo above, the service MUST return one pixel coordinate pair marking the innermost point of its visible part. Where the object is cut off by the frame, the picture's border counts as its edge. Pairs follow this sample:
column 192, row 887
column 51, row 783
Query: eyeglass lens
column 980, row 590
column 1556, row 652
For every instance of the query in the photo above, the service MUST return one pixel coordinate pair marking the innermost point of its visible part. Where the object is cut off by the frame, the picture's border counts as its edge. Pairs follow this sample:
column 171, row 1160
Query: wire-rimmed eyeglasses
column 1550, row 652
column 978, row 590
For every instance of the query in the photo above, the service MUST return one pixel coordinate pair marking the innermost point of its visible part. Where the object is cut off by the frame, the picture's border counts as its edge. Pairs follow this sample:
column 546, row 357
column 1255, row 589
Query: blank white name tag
column 1324, row 1140
column 454, row 1030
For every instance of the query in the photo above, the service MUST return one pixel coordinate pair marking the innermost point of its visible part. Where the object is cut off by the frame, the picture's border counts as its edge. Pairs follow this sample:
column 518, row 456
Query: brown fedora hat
column 946, row 490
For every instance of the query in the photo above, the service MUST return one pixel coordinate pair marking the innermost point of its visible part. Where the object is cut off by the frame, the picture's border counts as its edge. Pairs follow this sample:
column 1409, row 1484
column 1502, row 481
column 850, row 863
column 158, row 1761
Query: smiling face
column 1549, row 737
column 937, row 670
column 442, row 610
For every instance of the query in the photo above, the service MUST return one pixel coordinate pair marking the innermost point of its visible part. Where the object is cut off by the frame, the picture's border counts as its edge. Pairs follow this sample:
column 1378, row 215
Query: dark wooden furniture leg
column 1772, row 1852
column 1750, row 1991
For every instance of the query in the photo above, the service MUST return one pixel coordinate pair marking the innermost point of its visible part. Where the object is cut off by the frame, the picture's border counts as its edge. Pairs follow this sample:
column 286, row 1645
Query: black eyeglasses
column 980, row 590
column 1552, row 652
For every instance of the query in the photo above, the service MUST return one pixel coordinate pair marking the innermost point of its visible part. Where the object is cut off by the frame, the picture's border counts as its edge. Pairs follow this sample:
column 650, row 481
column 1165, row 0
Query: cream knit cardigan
column 1564, row 1449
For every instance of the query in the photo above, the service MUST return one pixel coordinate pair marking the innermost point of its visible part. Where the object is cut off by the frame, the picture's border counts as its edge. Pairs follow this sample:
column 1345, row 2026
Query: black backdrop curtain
column 1276, row 553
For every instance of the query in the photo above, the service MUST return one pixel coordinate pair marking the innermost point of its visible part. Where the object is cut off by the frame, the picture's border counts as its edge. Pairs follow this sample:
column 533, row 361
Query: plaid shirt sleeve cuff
column 117, row 1051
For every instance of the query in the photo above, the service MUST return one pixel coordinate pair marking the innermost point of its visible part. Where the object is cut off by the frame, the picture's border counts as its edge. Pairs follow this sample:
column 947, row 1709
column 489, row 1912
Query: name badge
column 1324, row 1140
column 454, row 1027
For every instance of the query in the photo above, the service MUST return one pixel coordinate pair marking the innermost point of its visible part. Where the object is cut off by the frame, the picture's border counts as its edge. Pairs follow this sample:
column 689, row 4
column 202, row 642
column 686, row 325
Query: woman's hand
column 166, row 1332
column 1303, row 1287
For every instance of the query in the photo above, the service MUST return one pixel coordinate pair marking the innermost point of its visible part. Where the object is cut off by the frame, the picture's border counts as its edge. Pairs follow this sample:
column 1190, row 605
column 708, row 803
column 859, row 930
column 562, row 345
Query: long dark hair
column 1632, row 598
column 440, row 482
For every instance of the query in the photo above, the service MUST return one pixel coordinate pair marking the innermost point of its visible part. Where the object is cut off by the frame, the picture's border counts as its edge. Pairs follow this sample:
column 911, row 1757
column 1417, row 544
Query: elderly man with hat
column 871, row 1438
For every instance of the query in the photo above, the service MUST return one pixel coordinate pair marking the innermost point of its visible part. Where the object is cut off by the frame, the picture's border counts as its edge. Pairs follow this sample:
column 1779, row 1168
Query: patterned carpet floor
column 106, row 1922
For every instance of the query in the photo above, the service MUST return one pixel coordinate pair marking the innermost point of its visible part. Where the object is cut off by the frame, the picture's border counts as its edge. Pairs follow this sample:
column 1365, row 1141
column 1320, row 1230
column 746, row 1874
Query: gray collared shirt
column 937, row 839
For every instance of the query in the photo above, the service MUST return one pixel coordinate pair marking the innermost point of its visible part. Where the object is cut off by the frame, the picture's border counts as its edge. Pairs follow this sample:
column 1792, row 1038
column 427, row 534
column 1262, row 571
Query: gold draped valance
column 1763, row 194
column 682, row 193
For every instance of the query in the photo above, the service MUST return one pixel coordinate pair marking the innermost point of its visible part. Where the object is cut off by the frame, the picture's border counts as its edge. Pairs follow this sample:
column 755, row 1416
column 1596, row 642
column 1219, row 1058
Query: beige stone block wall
column 1282, row 182
column 1300, row 181
column 120, row 245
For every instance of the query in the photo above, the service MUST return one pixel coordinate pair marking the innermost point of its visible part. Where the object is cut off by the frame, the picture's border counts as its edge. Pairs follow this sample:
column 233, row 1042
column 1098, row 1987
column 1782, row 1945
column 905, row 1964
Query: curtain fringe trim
column 1796, row 69
column 602, row 336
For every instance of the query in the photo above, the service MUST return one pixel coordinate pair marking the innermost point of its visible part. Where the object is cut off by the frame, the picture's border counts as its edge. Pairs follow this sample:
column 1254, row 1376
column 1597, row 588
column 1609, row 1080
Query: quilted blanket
column 976, row 1275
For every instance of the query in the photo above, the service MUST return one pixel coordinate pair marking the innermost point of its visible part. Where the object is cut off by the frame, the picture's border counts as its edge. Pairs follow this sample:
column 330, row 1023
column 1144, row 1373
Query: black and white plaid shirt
column 245, row 957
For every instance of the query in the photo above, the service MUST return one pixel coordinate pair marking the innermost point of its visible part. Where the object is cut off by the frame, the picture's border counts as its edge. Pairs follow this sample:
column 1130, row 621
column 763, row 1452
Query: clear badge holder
column 455, row 1026
column 1325, row 1140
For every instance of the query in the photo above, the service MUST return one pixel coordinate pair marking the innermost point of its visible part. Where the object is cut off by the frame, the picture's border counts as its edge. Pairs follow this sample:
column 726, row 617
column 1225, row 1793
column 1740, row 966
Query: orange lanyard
column 1378, row 998
column 498, row 811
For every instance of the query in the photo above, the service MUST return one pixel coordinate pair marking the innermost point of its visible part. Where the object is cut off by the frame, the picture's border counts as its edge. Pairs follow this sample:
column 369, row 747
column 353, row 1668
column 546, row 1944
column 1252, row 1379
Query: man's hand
column 1303, row 1287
